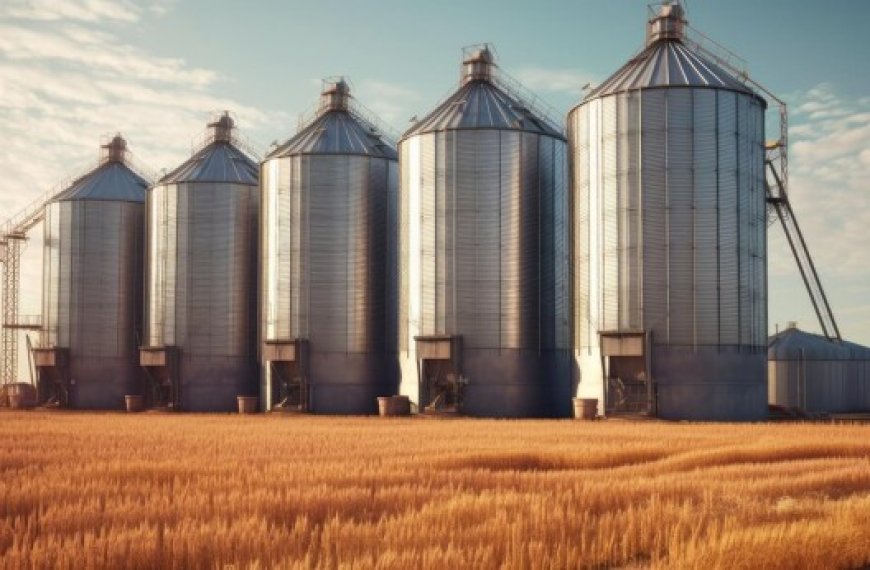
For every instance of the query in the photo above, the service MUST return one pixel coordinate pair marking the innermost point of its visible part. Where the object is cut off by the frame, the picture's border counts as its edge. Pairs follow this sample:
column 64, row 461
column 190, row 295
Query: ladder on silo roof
column 776, row 183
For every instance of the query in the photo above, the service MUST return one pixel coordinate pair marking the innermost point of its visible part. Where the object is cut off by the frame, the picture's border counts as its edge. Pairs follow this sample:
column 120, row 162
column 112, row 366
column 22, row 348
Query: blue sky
column 72, row 71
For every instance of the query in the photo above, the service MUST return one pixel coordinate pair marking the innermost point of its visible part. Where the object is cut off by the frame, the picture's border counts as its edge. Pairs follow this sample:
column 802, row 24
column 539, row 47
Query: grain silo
column 483, row 260
column 92, row 287
column 199, row 348
column 812, row 373
column 670, row 292
column 328, row 251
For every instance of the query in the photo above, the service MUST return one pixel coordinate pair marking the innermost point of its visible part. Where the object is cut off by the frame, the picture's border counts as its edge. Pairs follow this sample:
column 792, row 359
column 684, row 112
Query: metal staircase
column 13, row 237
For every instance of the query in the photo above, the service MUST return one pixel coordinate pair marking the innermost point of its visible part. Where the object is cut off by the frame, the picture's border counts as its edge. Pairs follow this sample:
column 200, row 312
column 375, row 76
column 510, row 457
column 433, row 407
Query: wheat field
column 83, row 490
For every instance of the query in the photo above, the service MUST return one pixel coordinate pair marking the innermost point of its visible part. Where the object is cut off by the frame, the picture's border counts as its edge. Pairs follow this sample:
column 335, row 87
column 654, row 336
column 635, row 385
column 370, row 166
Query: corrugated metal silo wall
column 483, row 254
column 820, row 384
column 92, row 296
column 670, row 237
column 326, row 274
column 201, row 287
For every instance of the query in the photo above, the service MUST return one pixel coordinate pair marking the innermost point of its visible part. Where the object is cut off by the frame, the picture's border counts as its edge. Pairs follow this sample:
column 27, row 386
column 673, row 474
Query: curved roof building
column 810, row 372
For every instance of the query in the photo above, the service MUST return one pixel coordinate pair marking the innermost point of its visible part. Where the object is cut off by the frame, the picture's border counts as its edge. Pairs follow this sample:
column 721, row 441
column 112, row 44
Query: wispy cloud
column 77, row 10
column 568, row 81
column 68, row 78
column 393, row 103
column 829, row 170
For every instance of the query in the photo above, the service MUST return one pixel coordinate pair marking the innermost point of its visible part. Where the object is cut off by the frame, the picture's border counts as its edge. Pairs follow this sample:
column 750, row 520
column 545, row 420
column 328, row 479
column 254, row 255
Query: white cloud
column 568, row 81
column 68, row 80
column 393, row 103
column 81, row 10
column 100, row 53
column 829, row 169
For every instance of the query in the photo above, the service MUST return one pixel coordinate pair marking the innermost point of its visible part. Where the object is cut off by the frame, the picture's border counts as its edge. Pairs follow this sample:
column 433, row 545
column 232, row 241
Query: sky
column 74, row 71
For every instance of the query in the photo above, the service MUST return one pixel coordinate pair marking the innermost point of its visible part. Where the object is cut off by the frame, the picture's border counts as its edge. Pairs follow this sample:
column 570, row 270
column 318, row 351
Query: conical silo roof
column 793, row 343
column 337, row 129
column 667, row 61
column 482, row 103
column 113, row 179
column 220, row 160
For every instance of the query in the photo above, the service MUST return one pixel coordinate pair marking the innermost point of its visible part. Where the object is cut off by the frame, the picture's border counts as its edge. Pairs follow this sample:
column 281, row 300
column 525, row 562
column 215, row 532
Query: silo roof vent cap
column 335, row 95
column 115, row 150
column 669, row 23
column 478, row 64
column 222, row 128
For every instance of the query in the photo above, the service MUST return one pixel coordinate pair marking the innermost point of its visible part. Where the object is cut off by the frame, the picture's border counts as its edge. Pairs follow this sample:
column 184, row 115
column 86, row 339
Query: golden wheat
column 185, row 491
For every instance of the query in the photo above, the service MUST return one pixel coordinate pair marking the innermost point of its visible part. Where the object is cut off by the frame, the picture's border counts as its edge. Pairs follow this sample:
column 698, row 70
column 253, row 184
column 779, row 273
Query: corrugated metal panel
column 809, row 371
column 404, row 251
column 482, row 198
column 655, row 212
column 728, row 226
column 688, row 164
column 681, row 217
column 557, row 185
column 706, row 238
column 609, row 217
column 583, row 224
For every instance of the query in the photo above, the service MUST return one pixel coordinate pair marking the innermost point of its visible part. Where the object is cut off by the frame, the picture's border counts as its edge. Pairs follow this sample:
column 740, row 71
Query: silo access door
column 162, row 366
column 628, row 384
column 441, row 384
column 53, row 376
column 288, row 373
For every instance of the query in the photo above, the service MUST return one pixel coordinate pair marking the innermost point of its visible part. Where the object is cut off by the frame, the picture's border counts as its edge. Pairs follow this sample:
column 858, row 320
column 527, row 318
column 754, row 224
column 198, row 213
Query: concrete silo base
column 503, row 383
column 213, row 384
column 343, row 383
column 710, row 383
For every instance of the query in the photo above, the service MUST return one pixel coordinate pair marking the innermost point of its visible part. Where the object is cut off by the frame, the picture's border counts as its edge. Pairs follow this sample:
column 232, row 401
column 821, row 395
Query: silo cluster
column 483, row 253
column 92, row 286
column 328, row 245
column 487, row 264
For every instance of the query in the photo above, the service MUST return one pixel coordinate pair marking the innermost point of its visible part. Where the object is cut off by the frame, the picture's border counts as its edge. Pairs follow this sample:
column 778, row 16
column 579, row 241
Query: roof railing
column 542, row 110
column 208, row 136
column 33, row 212
column 377, row 126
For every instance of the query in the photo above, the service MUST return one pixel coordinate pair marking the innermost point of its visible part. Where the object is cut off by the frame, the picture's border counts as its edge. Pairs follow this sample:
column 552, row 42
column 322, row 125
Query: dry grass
column 114, row 491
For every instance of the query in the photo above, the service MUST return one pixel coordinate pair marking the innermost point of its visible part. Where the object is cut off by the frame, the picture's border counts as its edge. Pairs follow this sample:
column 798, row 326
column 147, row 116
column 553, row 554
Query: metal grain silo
column 670, row 292
column 328, row 251
column 483, row 260
column 812, row 373
column 92, row 287
column 199, row 347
